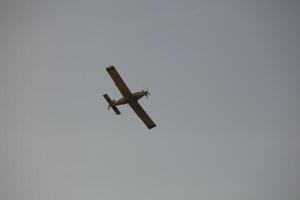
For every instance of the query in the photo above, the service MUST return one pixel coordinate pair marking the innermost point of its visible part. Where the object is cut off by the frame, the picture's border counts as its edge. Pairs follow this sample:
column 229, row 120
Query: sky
column 224, row 82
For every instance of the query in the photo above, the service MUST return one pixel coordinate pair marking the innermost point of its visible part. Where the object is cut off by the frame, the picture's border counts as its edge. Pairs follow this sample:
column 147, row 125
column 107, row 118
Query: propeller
column 146, row 93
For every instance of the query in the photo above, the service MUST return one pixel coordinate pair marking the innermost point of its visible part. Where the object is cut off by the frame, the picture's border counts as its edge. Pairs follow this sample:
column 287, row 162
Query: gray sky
column 224, row 78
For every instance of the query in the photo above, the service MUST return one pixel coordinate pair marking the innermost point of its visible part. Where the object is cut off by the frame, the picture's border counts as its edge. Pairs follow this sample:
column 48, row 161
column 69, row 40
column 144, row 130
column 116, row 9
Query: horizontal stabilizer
column 110, row 102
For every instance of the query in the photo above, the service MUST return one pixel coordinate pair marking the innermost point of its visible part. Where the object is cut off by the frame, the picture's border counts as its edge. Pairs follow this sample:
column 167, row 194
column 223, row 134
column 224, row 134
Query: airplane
column 128, row 98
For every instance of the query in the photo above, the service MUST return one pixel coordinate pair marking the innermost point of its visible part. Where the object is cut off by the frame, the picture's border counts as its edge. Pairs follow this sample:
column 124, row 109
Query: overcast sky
column 224, row 78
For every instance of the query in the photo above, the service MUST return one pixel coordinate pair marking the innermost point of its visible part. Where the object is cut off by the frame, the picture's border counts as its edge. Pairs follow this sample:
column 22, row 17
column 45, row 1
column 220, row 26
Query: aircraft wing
column 138, row 109
column 118, row 81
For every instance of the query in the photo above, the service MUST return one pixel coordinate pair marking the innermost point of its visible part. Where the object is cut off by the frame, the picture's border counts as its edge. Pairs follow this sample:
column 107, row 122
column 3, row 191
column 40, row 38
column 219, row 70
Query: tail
column 111, row 105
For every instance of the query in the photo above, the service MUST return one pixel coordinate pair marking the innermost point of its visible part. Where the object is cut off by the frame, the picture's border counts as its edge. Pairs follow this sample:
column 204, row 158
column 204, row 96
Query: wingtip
column 152, row 126
column 109, row 68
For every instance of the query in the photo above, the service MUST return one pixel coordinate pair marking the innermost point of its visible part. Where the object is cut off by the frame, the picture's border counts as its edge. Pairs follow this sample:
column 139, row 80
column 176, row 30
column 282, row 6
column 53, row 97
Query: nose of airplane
column 146, row 93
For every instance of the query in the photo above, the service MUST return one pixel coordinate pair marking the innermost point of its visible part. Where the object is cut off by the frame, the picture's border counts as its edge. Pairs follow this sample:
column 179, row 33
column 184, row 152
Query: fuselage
column 134, row 97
